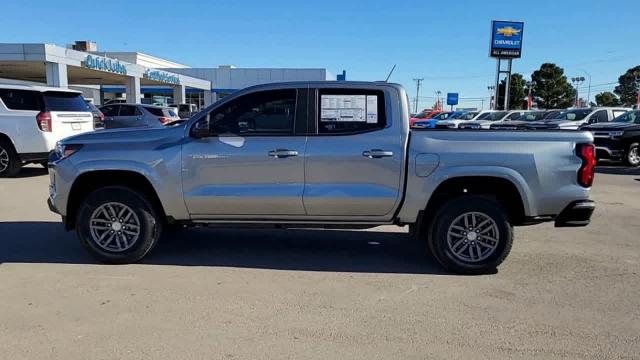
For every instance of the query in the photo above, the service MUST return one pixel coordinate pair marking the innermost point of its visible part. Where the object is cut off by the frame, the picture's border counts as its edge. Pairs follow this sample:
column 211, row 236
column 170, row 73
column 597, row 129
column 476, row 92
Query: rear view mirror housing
column 201, row 128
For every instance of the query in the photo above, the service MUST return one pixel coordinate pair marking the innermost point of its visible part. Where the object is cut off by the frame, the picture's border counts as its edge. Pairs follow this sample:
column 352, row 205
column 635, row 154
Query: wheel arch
column 90, row 181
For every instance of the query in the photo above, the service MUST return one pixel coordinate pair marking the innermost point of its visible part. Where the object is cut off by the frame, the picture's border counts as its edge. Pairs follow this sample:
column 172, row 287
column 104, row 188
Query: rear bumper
column 603, row 152
column 576, row 214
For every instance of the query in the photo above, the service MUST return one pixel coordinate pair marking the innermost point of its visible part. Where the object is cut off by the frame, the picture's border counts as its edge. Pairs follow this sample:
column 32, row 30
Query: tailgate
column 67, row 123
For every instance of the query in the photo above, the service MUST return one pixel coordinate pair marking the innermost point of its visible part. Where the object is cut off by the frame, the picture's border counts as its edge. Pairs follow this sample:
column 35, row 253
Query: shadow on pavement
column 304, row 250
column 29, row 171
column 618, row 170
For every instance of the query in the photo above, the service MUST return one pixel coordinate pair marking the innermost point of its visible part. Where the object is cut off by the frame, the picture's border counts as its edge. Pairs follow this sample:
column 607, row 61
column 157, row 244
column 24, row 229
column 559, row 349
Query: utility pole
column 529, row 100
column 439, row 106
column 418, row 81
column 589, row 87
column 577, row 81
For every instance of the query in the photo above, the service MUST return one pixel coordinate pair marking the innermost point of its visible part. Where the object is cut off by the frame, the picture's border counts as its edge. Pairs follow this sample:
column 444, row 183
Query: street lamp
column 576, row 82
column 492, row 99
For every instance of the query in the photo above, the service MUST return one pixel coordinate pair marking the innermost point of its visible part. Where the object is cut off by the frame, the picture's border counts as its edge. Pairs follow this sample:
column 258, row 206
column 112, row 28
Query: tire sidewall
column 449, row 212
column 631, row 148
column 150, row 226
column 14, row 162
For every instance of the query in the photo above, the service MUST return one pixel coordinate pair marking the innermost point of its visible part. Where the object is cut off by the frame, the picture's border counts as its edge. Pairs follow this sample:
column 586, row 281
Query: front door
column 252, row 164
column 354, row 161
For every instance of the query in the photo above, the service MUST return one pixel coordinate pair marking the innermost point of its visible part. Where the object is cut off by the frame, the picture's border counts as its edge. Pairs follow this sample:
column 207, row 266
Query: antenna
column 390, row 72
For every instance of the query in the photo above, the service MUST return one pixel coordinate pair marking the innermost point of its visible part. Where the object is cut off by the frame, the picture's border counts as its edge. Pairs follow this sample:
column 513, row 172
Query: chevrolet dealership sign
column 506, row 39
column 104, row 64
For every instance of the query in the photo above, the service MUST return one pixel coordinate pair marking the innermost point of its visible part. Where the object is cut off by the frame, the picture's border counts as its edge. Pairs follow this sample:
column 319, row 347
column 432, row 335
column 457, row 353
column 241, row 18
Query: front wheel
column 471, row 235
column 117, row 225
column 633, row 155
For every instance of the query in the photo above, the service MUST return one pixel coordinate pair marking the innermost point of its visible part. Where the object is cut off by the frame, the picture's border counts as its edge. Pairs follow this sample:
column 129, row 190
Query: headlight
column 616, row 133
column 66, row 150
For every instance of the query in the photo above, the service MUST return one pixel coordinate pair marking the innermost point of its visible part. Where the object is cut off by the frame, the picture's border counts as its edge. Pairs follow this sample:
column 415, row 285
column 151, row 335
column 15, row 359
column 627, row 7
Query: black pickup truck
column 618, row 139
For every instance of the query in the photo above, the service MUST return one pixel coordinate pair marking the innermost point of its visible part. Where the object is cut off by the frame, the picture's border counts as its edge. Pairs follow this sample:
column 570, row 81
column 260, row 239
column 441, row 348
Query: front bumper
column 576, row 214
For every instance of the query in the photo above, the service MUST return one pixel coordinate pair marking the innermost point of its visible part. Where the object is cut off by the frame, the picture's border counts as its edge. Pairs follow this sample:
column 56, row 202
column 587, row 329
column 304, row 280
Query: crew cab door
column 354, row 156
column 252, row 163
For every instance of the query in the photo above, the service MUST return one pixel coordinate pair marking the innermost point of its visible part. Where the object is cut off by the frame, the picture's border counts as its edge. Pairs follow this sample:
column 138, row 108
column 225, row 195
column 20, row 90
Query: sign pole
column 507, row 86
column 496, row 90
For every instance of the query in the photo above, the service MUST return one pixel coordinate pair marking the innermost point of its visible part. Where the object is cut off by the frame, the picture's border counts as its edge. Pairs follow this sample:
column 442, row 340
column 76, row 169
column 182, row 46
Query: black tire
column 150, row 224
column 12, row 168
column 445, row 217
column 633, row 155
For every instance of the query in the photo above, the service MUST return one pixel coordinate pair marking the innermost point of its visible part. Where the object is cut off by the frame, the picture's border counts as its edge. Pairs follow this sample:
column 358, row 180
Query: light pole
column 589, row 87
column 418, row 81
column 492, row 98
column 438, row 93
column 577, row 81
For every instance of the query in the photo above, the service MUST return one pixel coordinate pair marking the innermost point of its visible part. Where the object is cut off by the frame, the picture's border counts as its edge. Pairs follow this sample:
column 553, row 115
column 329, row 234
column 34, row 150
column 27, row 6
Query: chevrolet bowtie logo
column 508, row 31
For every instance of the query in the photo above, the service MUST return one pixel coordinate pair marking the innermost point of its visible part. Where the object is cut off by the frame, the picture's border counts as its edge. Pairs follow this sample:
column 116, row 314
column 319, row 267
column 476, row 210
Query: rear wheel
column 471, row 235
column 117, row 225
column 633, row 155
column 9, row 161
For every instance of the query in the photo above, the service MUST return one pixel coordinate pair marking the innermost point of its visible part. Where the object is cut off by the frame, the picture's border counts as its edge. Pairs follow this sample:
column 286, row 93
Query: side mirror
column 201, row 128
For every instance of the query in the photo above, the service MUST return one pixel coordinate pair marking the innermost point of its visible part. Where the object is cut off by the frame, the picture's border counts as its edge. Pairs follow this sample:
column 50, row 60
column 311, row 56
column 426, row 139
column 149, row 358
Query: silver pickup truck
column 320, row 154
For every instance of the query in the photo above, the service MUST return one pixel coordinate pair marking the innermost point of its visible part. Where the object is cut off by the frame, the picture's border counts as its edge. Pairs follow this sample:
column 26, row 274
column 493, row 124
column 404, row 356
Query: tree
column 550, row 88
column 517, row 93
column 607, row 98
column 627, row 90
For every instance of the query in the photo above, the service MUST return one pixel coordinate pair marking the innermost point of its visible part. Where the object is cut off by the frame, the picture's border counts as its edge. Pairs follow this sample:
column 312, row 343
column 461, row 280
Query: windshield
column 422, row 115
column 573, row 115
column 441, row 116
column 629, row 117
column 492, row 116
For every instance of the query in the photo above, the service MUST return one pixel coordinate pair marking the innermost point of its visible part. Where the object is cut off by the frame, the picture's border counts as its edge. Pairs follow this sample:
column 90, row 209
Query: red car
column 424, row 115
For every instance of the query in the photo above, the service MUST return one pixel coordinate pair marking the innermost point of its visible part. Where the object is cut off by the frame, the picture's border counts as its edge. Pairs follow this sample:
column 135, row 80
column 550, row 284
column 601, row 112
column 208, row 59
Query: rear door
column 70, row 114
column 130, row 116
column 354, row 155
column 110, row 113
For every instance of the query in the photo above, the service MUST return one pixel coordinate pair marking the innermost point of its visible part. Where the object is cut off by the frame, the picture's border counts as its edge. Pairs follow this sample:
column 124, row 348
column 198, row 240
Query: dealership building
column 133, row 76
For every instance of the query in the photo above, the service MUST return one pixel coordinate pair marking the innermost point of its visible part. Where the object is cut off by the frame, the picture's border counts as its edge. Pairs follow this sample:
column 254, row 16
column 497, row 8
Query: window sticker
column 372, row 109
column 344, row 108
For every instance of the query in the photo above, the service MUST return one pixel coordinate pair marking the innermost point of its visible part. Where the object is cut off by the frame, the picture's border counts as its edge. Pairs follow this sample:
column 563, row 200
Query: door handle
column 282, row 153
column 377, row 153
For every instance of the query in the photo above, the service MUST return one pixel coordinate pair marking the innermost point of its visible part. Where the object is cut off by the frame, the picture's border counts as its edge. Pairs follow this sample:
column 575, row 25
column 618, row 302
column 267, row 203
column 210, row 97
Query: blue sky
column 445, row 42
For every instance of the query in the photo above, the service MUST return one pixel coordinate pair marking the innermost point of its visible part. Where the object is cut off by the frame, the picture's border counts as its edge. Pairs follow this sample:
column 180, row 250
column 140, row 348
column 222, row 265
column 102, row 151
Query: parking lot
column 562, row 293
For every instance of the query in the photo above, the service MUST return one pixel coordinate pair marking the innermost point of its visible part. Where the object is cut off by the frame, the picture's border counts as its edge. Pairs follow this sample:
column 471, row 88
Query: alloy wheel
column 4, row 160
column 114, row 227
column 473, row 237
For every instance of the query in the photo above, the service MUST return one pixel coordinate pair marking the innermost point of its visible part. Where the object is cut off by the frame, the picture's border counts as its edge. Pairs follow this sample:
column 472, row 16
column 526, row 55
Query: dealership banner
column 506, row 39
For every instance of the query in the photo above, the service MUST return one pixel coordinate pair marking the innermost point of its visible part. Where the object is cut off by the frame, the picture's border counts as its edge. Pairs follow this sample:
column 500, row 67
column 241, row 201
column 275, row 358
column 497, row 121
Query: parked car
column 98, row 116
column 424, row 115
column 115, row 101
column 431, row 122
column 492, row 117
column 255, row 158
column 618, row 139
column 33, row 119
column 136, row 115
column 454, row 119
column 572, row 119
column 524, row 120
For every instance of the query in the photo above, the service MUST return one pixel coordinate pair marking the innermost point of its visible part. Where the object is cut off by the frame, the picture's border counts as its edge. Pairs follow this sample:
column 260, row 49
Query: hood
column 126, row 135
column 611, row 126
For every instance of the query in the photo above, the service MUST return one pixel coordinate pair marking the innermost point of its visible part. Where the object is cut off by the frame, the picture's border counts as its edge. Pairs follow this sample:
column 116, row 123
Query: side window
column 514, row 116
column 352, row 111
column 20, row 99
column 111, row 110
column 600, row 116
column 128, row 110
column 261, row 113
column 617, row 113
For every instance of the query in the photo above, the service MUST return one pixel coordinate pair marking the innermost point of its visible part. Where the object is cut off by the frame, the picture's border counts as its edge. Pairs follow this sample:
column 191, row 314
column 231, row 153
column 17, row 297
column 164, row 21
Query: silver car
column 137, row 115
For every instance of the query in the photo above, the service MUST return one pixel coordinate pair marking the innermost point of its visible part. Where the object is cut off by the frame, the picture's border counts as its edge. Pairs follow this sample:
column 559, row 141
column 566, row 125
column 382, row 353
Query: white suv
column 33, row 119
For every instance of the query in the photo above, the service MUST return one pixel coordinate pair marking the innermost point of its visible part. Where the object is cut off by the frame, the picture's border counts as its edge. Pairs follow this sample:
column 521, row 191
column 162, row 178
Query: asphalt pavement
column 318, row 294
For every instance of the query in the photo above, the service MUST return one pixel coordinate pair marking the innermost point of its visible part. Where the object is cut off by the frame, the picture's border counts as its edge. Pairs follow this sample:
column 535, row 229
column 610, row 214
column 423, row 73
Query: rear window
column 155, row 111
column 170, row 113
column 64, row 101
column 20, row 99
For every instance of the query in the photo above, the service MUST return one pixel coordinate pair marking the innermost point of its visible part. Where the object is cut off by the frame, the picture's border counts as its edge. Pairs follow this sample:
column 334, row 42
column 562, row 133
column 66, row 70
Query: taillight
column 44, row 121
column 101, row 116
column 164, row 120
column 586, row 152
